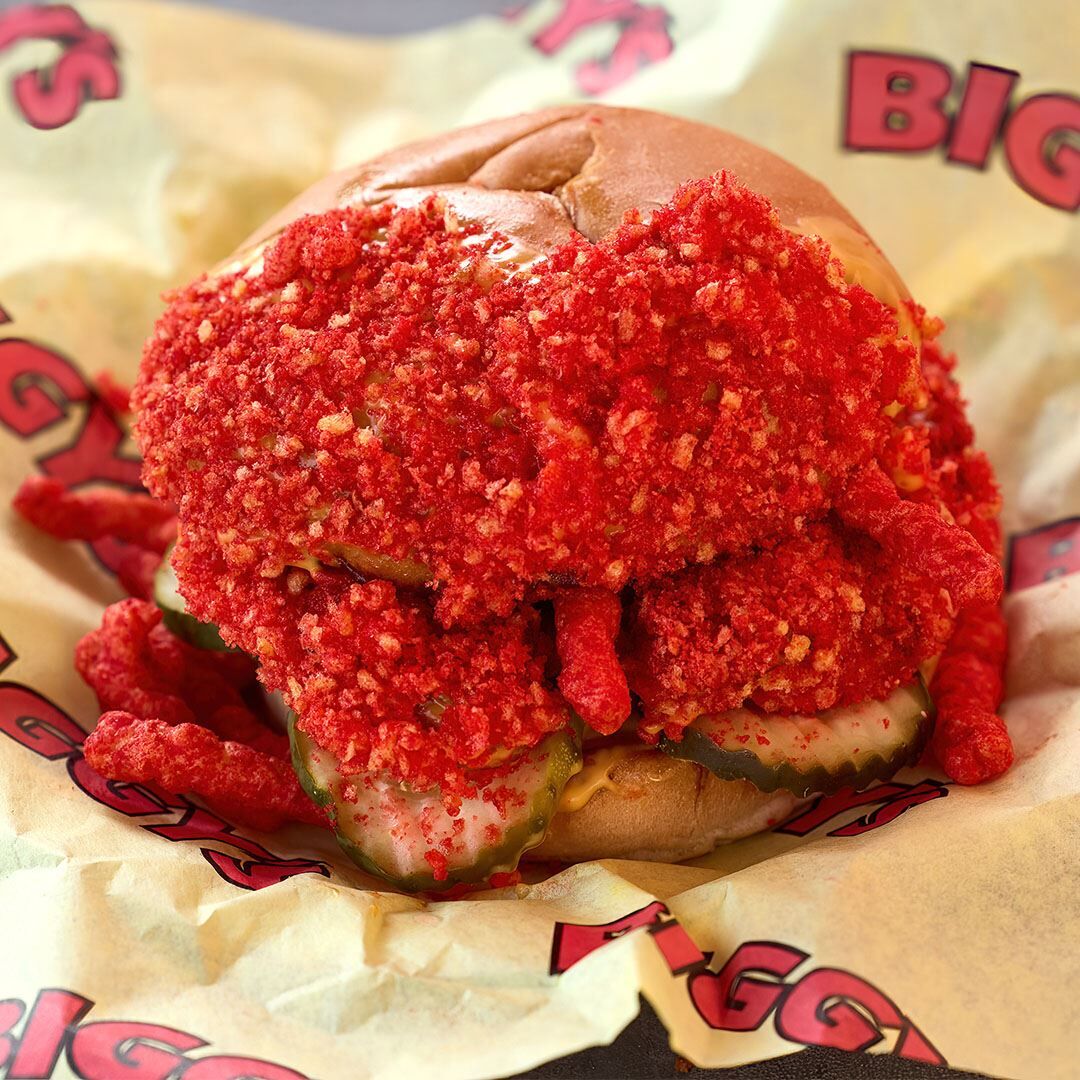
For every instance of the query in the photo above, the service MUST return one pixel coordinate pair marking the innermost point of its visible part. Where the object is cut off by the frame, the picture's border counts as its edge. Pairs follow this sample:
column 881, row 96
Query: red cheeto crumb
column 116, row 395
column 916, row 533
column 438, row 863
column 136, row 569
column 134, row 664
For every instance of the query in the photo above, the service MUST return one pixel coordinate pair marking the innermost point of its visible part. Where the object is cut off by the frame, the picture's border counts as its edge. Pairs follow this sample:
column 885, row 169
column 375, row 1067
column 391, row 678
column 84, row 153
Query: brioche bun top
column 538, row 177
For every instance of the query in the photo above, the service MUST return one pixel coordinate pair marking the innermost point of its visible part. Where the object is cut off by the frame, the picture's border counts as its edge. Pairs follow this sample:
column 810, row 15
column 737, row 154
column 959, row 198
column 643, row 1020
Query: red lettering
column 95, row 454
column 574, row 941
column 921, row 793
column 644, row 41
column 40, row 21
column 36, row 723
column 51, row 98
column 198, row 824
column 897, row 798
column 115, row 1049
column 4, row 316
column 913, row 1045
column 132, row 800
column 46, row 1031
column 225, row 1067
column 6, row 655
column 35, row 385
column 677, row 947
column 894, row 102
column 1045, row 553
column 86, row 70
column 805, row 1017
column 982, row 110
column 730, row 1000
column 1045, row 163
column 255, row 874
column 576, row 15
column 262, row 869
column 11, row 1011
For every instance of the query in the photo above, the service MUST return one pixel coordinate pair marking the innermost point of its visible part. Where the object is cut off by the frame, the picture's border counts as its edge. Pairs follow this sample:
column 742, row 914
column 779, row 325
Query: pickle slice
column 176, row 618
column 389, row 831
column 372, row 564
column 850, row 746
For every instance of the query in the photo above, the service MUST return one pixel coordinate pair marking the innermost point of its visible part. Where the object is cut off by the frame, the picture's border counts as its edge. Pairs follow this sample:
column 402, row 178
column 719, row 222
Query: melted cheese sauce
column 595, row 775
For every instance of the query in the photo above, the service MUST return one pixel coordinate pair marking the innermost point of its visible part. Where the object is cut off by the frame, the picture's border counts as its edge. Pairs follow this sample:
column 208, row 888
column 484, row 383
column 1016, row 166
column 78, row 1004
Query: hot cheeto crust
column 375, row 397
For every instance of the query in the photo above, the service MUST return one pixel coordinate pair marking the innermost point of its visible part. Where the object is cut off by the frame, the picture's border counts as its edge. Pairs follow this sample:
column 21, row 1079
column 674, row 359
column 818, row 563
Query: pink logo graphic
column 888, row 800
column 822, row 1007
column 85, row 71
column 106, row 1049
column 38, row 389
column 1048, row 552
column 895, row 103
column 644, row 39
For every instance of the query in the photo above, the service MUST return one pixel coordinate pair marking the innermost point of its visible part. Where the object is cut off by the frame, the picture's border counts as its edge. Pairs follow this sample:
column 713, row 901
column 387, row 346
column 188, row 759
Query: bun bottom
column 661, row 809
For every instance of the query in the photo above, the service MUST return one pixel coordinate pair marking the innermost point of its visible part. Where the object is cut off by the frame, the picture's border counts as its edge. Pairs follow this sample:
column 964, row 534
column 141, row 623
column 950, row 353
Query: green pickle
column 850, row 746
column 167, row 597
column 372, row 564
column 381, row 833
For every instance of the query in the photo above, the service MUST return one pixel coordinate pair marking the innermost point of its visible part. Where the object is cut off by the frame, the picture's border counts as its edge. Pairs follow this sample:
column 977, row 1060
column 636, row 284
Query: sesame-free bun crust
column 662, row 809
column 539, row 177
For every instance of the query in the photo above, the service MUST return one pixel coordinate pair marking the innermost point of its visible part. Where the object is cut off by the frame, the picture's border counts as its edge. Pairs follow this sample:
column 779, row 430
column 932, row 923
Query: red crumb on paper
column 145, row 526
column 116, row 395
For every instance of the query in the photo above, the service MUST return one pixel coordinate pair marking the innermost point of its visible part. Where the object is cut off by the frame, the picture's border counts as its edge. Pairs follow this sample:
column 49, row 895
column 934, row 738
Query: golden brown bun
column 661, row 809
column 536, row 178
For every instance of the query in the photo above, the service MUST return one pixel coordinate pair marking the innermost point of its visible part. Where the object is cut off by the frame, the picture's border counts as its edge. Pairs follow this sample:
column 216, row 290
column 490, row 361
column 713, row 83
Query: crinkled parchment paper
column 946, row 932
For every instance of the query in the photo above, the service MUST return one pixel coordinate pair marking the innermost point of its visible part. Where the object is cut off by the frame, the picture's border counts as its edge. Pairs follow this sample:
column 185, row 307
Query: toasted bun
column 662, row 809
column 536, row 179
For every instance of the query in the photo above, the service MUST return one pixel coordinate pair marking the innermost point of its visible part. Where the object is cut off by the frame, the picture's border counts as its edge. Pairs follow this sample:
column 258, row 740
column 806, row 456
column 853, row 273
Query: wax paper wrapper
column 140, row 143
